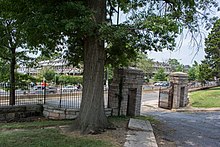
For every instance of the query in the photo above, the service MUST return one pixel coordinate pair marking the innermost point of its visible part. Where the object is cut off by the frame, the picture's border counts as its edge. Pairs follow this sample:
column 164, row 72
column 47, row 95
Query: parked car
column 69, row 88
column 157, row 84
column 164, row 84
column 20, row 92
column 39, row 89
column 51, row 89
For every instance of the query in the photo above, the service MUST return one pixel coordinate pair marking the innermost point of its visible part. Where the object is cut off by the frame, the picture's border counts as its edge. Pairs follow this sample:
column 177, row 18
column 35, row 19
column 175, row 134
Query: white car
column 163, row 84
column 69, row 88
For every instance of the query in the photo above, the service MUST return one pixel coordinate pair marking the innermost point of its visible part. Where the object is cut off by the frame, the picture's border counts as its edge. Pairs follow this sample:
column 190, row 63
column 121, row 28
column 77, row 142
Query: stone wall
column 13, row 113
column 125, row 92
column 53, row 112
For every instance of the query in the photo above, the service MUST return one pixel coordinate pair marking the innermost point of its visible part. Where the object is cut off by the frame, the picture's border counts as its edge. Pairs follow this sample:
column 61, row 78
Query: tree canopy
column 212, row 49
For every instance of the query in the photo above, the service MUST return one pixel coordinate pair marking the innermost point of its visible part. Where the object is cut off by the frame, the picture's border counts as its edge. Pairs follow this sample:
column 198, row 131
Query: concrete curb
column 196, row 110
column 186, row 109
column 140, row 134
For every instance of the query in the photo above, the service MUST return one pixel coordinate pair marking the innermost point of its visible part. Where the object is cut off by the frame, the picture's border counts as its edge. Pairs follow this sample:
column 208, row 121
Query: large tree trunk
column 92, row 117
column 12, row 77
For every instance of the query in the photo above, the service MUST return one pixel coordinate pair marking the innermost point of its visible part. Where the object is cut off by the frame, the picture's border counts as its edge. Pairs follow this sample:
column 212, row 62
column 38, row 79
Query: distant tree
column 144, row 63
column 175, row 65
column 203, row 72
column 24, row 80
column 47, row 74
column 20, row 78
column 212, row 49
column 160, row 75
column 180, row 68
column 12, row 47
column 192, row 73
column 4, row 71
column 69, row 79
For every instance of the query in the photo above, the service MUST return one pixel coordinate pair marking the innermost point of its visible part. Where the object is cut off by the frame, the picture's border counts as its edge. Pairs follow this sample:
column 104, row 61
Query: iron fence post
column 44, row 91
column 60, row 95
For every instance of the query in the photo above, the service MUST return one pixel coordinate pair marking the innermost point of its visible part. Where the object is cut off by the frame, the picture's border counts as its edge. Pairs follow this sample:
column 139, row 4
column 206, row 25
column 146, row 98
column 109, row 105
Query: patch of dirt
column 159, row 132
column 116, row 136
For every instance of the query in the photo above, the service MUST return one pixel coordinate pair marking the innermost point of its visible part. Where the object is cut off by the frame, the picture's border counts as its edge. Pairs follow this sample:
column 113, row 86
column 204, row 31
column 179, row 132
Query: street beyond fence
column 62, row 96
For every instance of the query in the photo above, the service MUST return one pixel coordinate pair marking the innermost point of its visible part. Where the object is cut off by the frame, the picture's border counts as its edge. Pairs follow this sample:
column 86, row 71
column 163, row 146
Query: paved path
column 200, row 129
column 140, row 134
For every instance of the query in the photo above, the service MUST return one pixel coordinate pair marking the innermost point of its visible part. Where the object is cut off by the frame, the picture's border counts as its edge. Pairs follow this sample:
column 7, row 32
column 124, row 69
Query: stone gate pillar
column 180, row 89
column 125, row 91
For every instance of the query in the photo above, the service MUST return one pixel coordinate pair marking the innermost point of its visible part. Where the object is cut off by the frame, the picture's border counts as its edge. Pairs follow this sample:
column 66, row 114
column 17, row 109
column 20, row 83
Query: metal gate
column 166, row 97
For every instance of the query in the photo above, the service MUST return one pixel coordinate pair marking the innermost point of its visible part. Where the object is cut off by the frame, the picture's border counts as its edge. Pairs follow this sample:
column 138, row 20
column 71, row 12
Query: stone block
column 36, row 108
column 140, row 139
column 45, row 106
column 50, row 107
column 50, row 117
column 46, row 113
column 139, row 125
column 20, row 115
column 71, row 112
column 71, row 116
column 62, row 116
column 10, row 109
column 10, row 116
column 77, row 113
column 54, row 115
column 2, row 116
column 58, row 111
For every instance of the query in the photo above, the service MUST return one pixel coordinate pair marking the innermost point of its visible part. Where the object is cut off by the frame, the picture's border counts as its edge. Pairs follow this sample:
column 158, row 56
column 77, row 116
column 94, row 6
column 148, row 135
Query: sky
column 186, row 54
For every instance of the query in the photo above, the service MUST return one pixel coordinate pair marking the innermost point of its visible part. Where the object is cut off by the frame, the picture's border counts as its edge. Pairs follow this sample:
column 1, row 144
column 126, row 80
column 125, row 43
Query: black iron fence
column 63, row 96
column 192, row 85
column 68, row 96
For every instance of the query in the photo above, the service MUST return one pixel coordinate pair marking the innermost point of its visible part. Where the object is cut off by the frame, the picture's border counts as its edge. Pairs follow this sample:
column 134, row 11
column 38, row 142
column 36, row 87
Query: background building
column 60, row 66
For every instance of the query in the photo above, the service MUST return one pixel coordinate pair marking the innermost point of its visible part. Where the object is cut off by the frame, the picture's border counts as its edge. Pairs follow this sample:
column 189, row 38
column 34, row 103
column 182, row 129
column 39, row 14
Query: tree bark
column 92, row 118
column 12, row 77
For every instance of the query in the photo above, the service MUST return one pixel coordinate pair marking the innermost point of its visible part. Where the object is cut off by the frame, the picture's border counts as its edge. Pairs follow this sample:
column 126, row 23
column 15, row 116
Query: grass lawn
column 46, row 138
column 208, row 98
column 46, row 133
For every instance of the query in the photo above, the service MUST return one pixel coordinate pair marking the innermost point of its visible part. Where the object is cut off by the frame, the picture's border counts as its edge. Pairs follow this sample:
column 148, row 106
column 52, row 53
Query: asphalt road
column 185, row 129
